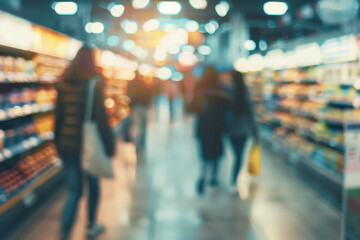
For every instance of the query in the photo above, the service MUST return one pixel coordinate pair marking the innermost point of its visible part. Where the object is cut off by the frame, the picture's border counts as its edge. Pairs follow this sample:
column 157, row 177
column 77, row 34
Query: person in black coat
column 70, row 115
column 210, row 103
column 240, row 122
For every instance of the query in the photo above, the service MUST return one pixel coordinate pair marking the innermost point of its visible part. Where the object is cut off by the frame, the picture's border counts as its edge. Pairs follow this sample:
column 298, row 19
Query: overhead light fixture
column 198, row 4
column 204, row 50
column 192, row 26
column 188, row 48
column 113, row 41
column 177, row 76
column 151, row 25
column 275, row 8
column 164, row 73
column 250, row 45
column 241, row 65
column 117, row 10
column 210, row 28
column 263, row 45
column 65, row 8
column 88, row 27
column 169, row 7
column 129, row 45
column 174, row 49
column 222, row 8
column 96, row 27
column 138, row 4
column 129, row 27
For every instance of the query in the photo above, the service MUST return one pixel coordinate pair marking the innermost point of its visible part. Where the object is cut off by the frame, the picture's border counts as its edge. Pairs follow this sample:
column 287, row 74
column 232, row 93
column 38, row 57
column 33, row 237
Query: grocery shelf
column 24, row 146
column 26, row 110
column 38, row 181
column 344, row 104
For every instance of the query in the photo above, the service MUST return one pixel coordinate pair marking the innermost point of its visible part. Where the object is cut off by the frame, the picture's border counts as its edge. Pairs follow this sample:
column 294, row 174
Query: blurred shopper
column 140, row 94
column 70, row 114
column 240, row 123
column 210, row 103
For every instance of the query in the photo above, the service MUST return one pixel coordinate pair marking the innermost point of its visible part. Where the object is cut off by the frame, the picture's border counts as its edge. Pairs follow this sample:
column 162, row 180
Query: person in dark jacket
column 240, row 123
column 140, row 96
column 210, row 102
column 70, row 111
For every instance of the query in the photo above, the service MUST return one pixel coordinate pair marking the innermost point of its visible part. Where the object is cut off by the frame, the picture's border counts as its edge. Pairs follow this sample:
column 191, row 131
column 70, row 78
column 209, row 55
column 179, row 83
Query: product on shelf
column 16, row 175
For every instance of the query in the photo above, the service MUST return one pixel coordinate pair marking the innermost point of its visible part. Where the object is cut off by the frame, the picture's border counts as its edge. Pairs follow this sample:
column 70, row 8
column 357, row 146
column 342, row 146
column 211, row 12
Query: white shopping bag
column 243, row 180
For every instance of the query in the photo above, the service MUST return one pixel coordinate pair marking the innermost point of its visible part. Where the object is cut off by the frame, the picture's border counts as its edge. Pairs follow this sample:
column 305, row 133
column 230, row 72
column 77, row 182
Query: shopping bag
column 95, row 161
column 255, row 160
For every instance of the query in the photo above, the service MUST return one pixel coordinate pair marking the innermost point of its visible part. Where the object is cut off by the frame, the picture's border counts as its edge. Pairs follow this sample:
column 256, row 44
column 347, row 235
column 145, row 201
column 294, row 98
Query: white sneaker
column 95, row 230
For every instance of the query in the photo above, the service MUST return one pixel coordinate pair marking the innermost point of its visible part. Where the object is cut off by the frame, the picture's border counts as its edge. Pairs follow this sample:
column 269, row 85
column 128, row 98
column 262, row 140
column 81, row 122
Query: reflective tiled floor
column 157, row 201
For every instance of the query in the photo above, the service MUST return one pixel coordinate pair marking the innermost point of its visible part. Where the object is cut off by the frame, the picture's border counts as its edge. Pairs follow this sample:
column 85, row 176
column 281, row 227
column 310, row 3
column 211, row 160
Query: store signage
column 308, row 55
column 341, row 49
column 256, row 62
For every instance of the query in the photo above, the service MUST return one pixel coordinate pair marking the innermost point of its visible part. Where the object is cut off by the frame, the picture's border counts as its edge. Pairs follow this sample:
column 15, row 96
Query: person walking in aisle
column 140, row 95
column 240, row 123
column 70, row 114
column 210, row 103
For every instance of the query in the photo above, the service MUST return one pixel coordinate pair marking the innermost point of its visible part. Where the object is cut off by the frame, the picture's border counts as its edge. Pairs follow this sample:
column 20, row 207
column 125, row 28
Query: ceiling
column 39, row 11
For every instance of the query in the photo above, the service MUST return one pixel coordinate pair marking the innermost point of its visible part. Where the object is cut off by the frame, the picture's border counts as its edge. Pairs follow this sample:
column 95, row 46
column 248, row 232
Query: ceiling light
column 159, row 56
column 188, row 48
column 129, row 27
column 177, row 76
column 97, row 27
column 198, row 4
column 222, row 8
column 192, row 26
column 187, row 59
column 249, row 45
column 151, row 25
column 241, row 65
column 204, row 50
column 117, row 10
column 263, row 45
column 113, row 41
column 65, row 8
column 174, row 49
column 163, row 73
column 137, row 4
column 88, row 27
column 129, row 45
column 210, row 28
column 275, row 8
column 169, row 7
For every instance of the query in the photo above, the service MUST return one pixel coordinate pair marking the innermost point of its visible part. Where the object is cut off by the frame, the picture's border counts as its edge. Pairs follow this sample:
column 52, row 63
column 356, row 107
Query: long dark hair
column 209, row 79
column 240, row 99
column 82, row 67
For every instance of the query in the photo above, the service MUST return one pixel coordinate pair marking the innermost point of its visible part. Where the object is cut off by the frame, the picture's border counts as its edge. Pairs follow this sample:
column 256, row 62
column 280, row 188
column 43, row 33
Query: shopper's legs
column 238, row 144
column 74, row 184
column 214, row 173
column 93, row 202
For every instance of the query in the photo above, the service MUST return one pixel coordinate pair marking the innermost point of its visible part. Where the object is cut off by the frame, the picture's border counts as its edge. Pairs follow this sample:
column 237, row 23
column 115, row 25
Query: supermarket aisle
column 157, row 200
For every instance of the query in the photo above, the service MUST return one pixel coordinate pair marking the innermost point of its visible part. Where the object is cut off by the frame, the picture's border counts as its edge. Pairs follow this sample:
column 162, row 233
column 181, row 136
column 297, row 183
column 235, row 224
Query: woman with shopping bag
column 240, row 123
column 83, row 137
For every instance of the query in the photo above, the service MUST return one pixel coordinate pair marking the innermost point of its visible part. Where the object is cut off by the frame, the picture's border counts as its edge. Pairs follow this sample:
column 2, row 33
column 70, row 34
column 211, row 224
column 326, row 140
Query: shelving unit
column 306, row 101
column 28, row 158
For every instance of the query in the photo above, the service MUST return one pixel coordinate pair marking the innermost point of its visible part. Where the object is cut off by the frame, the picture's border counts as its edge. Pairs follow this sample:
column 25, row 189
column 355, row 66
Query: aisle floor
column 157, row 200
